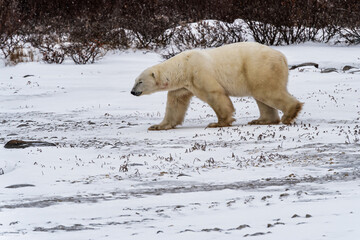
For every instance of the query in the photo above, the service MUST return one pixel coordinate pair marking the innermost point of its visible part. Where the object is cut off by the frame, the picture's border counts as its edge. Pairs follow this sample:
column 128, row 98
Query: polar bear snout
column 144, row 85
column 135, row 90
column 135, row 93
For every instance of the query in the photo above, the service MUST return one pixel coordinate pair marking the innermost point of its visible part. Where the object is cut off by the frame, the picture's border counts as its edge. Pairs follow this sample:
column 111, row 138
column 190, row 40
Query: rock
column 304, row 65
column 211, row 229
column 256, row 234
column 28, row 75
column 187, row 230
column 242, row 226
column 279, row 223
column 25, row 144
column 183, row 175
column 328, row 70
column 179, row 206
column 23, row 125
column 2, row 171
column 347, row 67
column 20, row 185
column 266, row 197
column 284, row 195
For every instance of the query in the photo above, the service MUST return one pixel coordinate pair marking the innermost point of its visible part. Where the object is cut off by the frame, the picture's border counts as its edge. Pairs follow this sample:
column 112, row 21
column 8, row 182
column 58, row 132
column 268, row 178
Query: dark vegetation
column 85, row 30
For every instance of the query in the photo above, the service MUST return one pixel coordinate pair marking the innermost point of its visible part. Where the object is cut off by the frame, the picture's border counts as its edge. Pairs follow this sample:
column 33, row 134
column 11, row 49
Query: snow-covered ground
column 111, row 178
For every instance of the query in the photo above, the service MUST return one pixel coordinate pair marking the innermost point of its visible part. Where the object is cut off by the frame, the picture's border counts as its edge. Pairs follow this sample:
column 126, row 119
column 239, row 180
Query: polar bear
column 238, row 69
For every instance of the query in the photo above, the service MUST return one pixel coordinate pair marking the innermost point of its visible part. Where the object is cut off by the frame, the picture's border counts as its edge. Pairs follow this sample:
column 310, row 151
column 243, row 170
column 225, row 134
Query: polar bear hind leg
column 292, row 113
column 283, row 101
column 268, row 115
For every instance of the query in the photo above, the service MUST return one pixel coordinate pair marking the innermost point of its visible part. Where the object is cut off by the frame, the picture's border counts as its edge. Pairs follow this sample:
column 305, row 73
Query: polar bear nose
column 135, row 93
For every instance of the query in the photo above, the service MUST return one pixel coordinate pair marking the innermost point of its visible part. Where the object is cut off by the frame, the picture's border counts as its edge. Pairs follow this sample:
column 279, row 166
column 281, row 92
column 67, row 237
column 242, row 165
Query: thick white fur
column 239, row 69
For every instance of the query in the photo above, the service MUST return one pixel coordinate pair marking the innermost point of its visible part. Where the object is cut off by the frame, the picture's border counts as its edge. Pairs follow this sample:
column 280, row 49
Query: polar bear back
column 242, row 67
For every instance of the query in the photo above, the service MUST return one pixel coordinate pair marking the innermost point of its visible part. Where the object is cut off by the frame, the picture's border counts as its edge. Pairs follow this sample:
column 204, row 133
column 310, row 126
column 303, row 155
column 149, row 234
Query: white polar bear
column 239, row 69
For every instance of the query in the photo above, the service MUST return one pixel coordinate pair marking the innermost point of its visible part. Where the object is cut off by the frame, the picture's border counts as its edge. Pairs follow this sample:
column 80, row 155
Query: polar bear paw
column 226, row 122
column 264, row 122
column 215, row 125
column 159, row 127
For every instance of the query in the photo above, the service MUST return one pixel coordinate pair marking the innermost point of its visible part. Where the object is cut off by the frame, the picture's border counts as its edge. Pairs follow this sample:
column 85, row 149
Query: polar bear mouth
column 135, row 93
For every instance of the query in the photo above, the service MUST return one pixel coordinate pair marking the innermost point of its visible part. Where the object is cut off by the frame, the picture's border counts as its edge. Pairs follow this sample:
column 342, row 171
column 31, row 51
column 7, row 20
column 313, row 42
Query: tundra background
column 107, row 177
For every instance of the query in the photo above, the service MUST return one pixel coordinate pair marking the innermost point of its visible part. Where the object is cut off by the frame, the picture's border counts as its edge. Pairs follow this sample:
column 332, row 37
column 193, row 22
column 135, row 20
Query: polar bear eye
column 140, row 82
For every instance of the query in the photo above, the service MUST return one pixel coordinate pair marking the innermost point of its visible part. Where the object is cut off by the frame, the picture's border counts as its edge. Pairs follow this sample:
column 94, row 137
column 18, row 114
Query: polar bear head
column 145, row 83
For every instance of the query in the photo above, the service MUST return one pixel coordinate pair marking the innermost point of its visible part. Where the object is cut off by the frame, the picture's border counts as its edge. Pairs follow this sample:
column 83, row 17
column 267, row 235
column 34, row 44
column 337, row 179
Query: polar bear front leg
column 176, row 106
column 223, row 108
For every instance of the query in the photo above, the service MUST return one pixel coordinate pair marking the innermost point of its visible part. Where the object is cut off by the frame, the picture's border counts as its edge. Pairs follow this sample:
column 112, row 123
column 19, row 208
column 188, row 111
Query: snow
column 111, row 178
